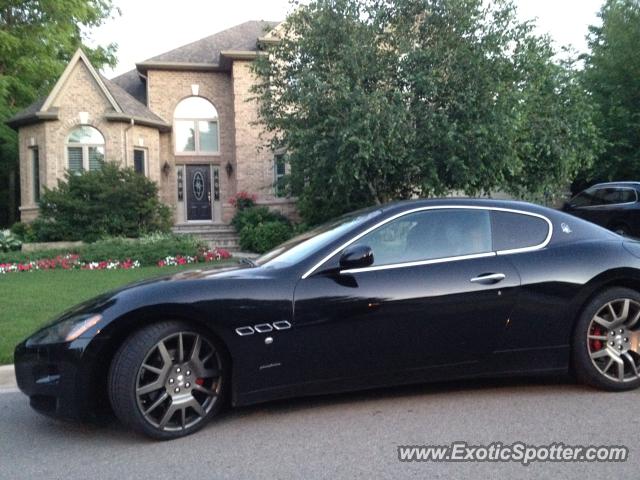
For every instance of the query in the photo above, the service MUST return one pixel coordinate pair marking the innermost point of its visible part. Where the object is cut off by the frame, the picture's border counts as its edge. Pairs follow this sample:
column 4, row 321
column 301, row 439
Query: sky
column 149, row 27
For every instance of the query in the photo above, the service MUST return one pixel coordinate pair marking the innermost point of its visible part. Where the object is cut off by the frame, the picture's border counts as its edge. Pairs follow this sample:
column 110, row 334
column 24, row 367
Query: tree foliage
column 385, row 99
column 37, row 39
column 612, row 76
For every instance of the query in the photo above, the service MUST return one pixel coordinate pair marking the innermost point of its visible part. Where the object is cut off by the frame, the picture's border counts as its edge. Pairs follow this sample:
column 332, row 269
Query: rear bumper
column 56, row 379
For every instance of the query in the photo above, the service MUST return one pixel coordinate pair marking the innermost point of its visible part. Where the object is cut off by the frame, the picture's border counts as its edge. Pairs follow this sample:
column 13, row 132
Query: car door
column 436, row 295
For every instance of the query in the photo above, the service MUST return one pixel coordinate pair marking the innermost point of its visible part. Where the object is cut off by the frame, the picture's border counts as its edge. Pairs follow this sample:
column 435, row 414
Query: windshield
column 310, row 242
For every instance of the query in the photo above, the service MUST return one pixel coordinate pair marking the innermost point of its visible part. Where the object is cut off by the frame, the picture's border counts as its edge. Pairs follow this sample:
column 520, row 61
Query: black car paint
column 352, row 331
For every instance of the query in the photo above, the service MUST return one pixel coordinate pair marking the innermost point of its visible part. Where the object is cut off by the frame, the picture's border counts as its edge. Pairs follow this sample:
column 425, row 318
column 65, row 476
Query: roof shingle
column 207, row 50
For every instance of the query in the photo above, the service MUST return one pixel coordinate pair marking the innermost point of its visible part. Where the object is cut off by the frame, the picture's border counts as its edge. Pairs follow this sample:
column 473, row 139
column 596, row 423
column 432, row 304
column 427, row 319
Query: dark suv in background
column 612, row 205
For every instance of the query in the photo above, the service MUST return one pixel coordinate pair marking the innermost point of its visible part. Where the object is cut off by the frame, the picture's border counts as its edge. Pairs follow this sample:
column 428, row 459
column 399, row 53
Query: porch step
column 223, row 236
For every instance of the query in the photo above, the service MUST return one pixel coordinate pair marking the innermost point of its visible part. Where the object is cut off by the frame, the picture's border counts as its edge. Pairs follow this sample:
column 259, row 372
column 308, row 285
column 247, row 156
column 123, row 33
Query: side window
column 429, row 235
column 588, row 198
column 138, row 161
column 515, row 230
column 279, row 171
column 35, row 170
column 611, row 196
column 628, row 195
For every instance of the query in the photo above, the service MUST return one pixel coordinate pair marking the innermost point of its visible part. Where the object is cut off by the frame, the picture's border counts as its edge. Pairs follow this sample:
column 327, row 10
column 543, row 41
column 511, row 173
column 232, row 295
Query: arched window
column 85, row 149
column 196, row 126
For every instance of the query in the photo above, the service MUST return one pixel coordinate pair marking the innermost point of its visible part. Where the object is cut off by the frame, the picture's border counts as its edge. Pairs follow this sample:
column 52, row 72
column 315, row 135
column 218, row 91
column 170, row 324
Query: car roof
column 616, row 184
column 581, row 228
column 465, row 201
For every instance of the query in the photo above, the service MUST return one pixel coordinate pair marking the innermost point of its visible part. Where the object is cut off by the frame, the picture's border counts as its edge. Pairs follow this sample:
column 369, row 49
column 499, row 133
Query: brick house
column 183, row 118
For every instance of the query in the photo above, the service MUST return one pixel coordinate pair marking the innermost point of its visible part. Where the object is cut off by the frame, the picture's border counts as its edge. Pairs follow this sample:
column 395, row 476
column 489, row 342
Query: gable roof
column 127, row 93
column 57, row 88
column 131, row 83
column 208, row 53
column 124, row 106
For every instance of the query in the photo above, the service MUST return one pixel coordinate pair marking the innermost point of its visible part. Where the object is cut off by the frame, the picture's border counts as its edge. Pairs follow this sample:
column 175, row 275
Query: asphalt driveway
column 342, row 436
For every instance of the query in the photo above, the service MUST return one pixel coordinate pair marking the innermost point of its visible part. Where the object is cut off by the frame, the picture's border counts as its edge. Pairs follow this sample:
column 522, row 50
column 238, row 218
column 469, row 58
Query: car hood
column 181, row 286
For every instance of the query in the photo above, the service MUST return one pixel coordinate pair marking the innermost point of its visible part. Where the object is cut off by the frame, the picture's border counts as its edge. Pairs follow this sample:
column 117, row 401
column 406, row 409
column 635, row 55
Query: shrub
column 108, row 202
column 148, row 249
column 8, row 241
column 243, row 200
column 261, row 229
column 45, row 230
column 254, row 216
column 24, row 231
column 263, row 237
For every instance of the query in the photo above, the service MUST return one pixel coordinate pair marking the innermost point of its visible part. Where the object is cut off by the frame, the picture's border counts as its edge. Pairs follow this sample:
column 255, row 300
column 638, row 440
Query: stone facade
column 136, row 112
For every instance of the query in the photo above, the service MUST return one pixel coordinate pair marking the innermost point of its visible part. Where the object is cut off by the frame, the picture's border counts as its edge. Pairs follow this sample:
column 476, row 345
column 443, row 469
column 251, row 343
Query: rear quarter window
column 516, row 230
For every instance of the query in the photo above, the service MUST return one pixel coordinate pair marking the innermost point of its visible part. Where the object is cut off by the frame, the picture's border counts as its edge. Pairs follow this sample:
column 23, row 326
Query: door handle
column 489, row 278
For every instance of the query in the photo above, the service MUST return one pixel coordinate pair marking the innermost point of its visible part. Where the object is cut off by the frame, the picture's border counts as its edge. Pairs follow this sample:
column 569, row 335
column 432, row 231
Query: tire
column 159, row 392
column 598, row 355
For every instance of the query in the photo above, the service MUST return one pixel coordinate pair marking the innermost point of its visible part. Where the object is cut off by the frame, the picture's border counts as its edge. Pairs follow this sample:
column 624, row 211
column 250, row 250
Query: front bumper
column 57, row 378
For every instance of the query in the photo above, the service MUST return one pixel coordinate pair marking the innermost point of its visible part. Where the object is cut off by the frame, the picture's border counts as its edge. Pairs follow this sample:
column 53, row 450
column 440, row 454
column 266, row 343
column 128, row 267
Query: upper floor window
column 85, row 149
column 196, row 126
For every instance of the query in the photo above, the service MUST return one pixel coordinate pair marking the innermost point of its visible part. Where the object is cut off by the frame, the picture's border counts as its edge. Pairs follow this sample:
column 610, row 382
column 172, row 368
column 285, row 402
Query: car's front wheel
column 606, row 342
column 167, row 380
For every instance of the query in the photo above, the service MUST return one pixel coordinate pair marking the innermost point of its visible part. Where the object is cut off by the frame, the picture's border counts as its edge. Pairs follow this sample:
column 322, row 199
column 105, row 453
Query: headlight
column 65, row 330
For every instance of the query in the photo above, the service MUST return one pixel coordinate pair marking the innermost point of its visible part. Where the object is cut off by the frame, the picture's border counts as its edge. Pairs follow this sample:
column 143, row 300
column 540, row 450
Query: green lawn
column 30, row 299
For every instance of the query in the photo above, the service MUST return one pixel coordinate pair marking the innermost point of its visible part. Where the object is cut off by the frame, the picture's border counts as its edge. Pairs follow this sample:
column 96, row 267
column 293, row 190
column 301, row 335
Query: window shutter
column 96, row 158
column 75, row 159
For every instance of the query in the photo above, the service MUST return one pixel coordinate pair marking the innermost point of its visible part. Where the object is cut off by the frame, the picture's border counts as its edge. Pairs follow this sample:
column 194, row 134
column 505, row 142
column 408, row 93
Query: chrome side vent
column 244, row 331
column 263, row 328
column 281, row 325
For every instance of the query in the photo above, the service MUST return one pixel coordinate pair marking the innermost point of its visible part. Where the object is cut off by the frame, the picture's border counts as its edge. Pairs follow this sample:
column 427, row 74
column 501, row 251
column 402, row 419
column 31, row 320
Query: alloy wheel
column 179, row 381
column 614, row 342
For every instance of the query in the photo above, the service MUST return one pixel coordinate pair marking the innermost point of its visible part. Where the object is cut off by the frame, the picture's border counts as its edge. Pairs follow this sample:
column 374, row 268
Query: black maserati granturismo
column 407, row 292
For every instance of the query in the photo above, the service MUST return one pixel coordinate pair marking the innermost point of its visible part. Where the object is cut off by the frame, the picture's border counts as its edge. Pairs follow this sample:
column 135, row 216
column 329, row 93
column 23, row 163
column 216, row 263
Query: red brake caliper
column 593, row 343
column 200, row 381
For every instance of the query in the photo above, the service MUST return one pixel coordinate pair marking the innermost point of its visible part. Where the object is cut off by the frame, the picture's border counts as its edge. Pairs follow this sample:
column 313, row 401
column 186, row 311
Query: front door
column 198, row 192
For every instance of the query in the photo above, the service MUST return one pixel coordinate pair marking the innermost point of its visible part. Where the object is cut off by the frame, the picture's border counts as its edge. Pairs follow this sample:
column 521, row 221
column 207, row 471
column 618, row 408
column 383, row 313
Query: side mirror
column 356, row 256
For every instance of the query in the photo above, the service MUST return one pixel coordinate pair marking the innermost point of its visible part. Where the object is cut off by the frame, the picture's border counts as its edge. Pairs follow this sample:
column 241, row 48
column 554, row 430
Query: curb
column 7, row 378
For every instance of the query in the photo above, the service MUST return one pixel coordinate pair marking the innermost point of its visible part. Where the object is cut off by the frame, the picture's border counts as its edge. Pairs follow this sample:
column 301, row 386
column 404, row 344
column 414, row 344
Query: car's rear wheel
column 167, row 380
column 606, row 343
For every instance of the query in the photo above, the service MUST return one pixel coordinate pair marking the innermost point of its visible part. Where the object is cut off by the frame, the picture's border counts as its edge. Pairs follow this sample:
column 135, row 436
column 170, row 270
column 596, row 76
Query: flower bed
column 206, row 256
column 74, row 262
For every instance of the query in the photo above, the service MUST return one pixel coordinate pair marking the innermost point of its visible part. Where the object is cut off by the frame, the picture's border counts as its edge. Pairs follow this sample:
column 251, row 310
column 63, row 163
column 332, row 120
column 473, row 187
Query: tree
column 612, row 76
column 385, row 99
column 37, row 39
